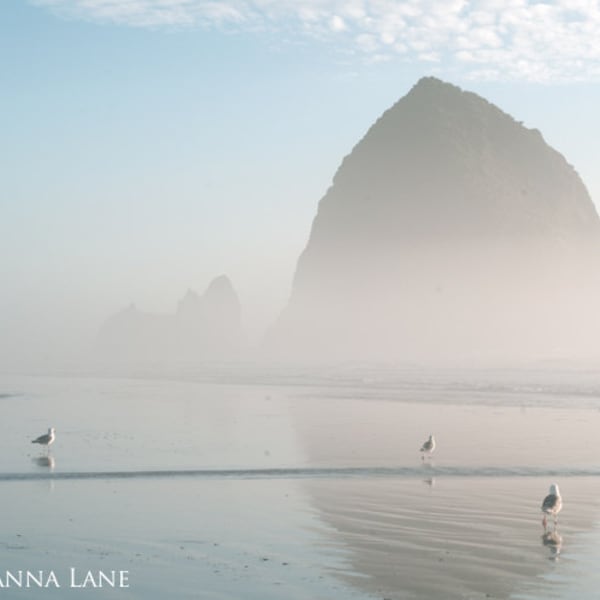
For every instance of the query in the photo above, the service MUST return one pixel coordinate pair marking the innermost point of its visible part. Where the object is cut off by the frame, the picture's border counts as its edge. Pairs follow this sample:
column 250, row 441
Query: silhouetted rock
column 451, row 230
column 204, row 328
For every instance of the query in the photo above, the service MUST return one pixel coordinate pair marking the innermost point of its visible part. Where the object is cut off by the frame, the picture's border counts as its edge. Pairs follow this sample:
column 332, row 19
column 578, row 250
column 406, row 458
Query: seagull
column 46, row 439
column 551, row 505
column 428, row 446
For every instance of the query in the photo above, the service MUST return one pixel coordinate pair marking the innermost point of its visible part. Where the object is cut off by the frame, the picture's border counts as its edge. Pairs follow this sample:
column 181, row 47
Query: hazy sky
column 150, row 145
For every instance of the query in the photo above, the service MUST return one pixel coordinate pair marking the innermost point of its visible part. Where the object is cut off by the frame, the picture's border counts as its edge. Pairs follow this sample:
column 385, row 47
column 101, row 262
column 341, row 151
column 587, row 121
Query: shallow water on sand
column 204, row 490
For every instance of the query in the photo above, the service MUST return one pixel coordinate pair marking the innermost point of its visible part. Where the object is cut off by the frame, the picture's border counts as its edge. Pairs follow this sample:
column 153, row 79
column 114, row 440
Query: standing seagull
column 428, row 447
column 46, row 439
column 551, row 505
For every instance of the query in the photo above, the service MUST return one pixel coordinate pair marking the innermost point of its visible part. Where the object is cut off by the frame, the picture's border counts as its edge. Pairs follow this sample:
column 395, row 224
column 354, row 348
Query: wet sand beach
column 204, row 490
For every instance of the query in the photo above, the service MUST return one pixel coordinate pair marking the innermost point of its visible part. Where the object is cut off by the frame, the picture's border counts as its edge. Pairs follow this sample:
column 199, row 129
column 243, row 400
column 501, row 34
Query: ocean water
column 304, row 485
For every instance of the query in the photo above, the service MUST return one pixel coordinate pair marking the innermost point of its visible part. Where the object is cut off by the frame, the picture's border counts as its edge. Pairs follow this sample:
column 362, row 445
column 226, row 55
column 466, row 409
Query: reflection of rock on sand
column 470, row 536
column 553, row 541
column 439, row 546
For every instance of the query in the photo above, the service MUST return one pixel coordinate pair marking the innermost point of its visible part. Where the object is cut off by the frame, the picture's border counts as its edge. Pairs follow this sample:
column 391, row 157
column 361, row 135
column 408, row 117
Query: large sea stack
column 451, row 231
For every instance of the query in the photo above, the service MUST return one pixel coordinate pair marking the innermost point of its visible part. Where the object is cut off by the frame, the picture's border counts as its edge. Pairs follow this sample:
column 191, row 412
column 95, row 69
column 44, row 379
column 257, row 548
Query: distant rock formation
column 204, row 328
column 450, row 231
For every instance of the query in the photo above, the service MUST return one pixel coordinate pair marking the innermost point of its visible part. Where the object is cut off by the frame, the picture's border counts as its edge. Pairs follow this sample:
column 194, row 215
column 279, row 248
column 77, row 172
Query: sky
column 150, row 145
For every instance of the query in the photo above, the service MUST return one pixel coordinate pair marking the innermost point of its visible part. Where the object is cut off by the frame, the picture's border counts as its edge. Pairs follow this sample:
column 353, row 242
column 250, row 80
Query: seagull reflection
column 47, row 462
column 430, row 481
column 553, row 541
column 428, row 465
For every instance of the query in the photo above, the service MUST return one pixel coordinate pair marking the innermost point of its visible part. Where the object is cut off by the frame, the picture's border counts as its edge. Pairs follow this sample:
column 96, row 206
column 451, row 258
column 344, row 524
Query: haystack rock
column 205, row 327
column 451, row 231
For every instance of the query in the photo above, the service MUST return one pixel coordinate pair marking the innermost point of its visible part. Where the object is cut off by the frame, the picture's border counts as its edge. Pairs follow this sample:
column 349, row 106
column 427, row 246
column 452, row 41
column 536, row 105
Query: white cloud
column 337, row 23
column 367, row 42
column 548, row 40
column 387, row 37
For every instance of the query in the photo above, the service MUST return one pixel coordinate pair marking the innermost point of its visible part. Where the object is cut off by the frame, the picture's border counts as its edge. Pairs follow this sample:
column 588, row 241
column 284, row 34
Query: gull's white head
column 51, row 430
column 554, row 489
